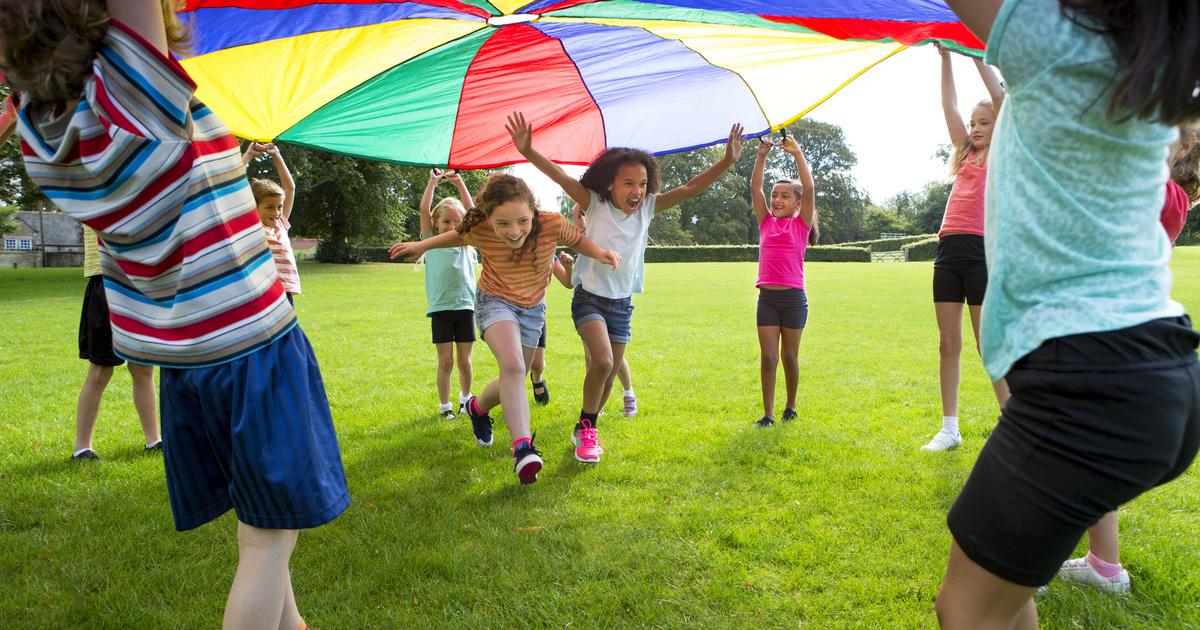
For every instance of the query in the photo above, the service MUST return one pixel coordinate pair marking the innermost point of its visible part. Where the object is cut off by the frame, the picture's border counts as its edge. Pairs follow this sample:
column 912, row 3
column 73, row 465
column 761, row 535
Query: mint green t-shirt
column 1073, row 198
column 449, row 278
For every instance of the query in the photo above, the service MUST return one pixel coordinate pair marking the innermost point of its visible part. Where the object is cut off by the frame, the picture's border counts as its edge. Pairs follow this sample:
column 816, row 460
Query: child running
column 563, row 264
column 960, row 267
column 618, row 194
column 274, row 204
column 113, row 134
column 1078, row 318
column 516, row 243
column 450, row 291
column 783, row 231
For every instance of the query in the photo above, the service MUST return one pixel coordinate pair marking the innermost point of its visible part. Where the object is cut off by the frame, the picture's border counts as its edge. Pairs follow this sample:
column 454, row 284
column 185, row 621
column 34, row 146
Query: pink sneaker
column 587, row 445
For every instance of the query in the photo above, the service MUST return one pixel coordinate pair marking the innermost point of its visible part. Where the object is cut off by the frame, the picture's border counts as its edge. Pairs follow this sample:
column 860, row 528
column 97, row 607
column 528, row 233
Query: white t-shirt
column 626, row 234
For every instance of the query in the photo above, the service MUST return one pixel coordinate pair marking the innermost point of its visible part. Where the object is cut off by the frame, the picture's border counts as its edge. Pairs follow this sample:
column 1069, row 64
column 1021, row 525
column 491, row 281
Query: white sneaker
column 1079, row 571
column 943, row 441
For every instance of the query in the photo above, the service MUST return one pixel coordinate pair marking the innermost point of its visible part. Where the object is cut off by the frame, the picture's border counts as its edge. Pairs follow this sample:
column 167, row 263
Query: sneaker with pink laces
column 587, row 443
column 630, row 406
column 1080, row 572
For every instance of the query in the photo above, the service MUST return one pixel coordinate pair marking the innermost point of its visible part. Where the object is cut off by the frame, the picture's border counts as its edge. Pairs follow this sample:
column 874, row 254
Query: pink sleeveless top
column 964, row 209
column 781, row 245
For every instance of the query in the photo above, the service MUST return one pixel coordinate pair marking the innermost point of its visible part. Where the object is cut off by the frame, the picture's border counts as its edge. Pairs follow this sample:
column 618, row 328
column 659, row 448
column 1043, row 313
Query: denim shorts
column 616, row 314
column 490, row 309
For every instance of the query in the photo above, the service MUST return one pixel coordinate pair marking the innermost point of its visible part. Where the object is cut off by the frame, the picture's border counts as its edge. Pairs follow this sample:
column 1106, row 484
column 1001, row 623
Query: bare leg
column 508, row 389
column 88, row 407
column 1000, row 387
column 790, row 355
column 618, row 354
column 623, row 374
column 1104, row 539
column 144, row 400
column 262, row 585
column 466, row 373
column 971, row 597
column 594, row 334
column 538, row 364
column 445, row 352
column 949, row 322
column 768, row 345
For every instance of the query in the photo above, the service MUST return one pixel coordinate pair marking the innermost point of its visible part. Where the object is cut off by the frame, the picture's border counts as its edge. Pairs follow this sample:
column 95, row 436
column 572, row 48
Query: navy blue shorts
column 95, row 328
column 786, row 308
column 1094, row 420
column 617, row 314
column 254, row 434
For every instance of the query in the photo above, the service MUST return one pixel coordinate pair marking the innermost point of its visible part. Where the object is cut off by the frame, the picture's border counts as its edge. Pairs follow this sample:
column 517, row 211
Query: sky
column 892, row 119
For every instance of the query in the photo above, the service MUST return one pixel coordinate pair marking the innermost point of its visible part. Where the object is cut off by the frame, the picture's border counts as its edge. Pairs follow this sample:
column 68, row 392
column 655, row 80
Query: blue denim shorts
column 490, row 309
column 617, row 314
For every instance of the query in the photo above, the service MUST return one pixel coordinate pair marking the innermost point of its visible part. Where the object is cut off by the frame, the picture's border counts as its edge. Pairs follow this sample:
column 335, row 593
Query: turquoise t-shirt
column 1073, row 198
column 449, row 278
column 610, row 228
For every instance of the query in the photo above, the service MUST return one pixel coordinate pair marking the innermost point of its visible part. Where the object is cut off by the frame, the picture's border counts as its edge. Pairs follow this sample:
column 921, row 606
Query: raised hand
column 764, row 146
column 435, row 174
column 270, row 149
column 733, row 148
column 452, row 176
column 790, row 145
column 521, row 132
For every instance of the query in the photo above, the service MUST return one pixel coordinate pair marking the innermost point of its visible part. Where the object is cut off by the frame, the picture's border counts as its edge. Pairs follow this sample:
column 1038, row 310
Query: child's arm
column 577, row 217
column 285, row 179
column 977, row 15
column 954, row 121
column 522, row 137
column 674, row 197
column 588, row 248
column 757, row 197
column 144, row 17
column 8, row 118
column 463, row 193
column 994, row 87
column 808, row 198
column 427, row 201
column 562, row 269
column 409, row 251
column 254, row 150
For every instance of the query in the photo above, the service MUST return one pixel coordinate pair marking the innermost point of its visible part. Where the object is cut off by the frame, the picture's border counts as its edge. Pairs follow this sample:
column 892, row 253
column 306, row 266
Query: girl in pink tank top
column 785, row 226
column 959, row 268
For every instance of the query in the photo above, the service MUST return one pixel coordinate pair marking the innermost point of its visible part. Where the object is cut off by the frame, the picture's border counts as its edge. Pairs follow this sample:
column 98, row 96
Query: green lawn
column 692, row 520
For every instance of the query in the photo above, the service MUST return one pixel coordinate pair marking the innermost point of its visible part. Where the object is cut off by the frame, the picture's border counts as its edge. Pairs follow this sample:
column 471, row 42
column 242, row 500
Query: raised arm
column 463, row 193
column 253, row 150
column 977, row 15
column 522, row 137
column 145, row 17
column 808, row 198
column 994, row 87
column 954, row 121
column 577, row 217
column 411, row 251
column 285, row 179
column 697, row 184
column 588, row 248
column 757, row 198
column 427, row 201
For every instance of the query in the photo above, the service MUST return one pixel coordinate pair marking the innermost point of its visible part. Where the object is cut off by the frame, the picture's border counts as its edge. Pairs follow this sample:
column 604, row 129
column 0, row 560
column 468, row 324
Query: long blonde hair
column 964, row 147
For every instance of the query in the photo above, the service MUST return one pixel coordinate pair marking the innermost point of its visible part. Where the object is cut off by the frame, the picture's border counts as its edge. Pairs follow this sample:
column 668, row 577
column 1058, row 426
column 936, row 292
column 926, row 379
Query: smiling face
column 983, row 120
column 512, row 221
column 270, row 209
column 628, row 188
column 785, row 200
column 448, row 219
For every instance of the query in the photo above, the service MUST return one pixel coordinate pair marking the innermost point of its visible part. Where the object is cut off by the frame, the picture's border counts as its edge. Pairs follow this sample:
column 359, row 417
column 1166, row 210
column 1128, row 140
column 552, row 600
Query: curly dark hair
column 1155, row 46
column 1186, row 171
column 500, row 189
column 47, row 46
column 603, row 170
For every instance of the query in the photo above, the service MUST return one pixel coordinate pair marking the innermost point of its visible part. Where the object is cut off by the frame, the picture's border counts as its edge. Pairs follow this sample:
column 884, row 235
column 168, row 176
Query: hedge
column 703, row 253
column 888, row 244
column 923, row 250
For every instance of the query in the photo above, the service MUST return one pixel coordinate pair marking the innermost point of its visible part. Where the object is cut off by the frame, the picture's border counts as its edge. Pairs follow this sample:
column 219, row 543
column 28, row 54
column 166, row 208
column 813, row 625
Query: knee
column 949, row 346
column 770, row 359
column 256, row 540
column 445, row 363
column 99, row 375
column 464, row 364
column 512, row 367
column 791, row 362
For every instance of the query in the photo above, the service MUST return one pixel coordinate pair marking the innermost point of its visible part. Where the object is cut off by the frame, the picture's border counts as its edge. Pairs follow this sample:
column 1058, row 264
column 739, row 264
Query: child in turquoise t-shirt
column 450, row 290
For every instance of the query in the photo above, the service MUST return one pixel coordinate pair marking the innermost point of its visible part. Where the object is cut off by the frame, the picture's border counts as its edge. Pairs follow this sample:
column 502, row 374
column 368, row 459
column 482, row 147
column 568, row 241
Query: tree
column 922, row 209
column 16, row 189
column 7, row 223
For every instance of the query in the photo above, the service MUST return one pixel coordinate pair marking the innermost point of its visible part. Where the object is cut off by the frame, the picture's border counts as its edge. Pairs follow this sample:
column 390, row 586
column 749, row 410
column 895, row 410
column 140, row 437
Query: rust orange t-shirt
column 522, row 282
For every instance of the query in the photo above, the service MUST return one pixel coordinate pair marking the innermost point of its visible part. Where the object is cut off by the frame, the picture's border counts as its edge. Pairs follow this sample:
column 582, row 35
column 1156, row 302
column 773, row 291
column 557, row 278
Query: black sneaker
column 789, row 414
column 156, row 446
column 764, row 423
column 88, row 455
column 480, row 424
column 544, row 397
column 527, row 462
column 449, row 414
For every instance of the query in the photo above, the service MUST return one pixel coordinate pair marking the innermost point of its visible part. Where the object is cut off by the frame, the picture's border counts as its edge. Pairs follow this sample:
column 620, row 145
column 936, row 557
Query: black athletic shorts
column 95, row 329
column 542, row 339
column 960, row 269
column 453, row 326
column 786, row 308
column 1094, row 420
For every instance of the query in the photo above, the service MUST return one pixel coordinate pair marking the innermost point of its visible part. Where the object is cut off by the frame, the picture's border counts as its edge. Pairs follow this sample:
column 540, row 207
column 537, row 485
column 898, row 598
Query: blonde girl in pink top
column 785, row 226
column 959, row 268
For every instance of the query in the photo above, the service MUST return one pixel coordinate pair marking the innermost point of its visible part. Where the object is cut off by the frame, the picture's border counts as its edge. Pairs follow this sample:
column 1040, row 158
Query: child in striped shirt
column 113, row 134
column 516, row 244
column 274, row 204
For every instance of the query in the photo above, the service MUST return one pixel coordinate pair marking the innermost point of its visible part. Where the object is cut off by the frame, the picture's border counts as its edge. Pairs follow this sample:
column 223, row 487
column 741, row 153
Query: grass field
column 692, row 520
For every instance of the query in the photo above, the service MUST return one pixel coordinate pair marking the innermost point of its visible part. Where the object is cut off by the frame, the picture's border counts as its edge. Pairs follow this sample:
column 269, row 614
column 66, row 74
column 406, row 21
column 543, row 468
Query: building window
column 10, row 243
column 26, row 245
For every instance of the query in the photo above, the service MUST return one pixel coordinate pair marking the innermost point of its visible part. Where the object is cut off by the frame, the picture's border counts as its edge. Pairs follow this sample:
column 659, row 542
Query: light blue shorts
column 490, row 309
